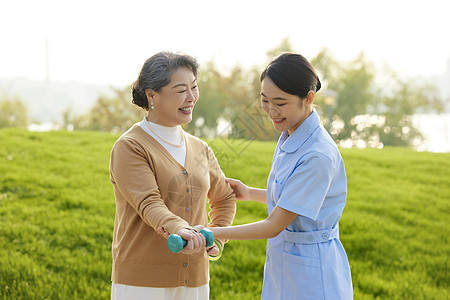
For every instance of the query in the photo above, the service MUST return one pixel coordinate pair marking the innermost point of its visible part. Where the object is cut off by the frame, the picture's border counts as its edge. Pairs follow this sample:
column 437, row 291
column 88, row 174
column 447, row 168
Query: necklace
column 165, row 140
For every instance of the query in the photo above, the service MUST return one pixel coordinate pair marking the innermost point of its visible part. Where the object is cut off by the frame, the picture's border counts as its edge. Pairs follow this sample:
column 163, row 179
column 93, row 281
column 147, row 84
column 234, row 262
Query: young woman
column 161, row 177
column 306, row 193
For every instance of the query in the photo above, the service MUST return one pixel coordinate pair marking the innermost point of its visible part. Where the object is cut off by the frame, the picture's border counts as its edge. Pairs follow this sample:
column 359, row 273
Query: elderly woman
column 161, row 177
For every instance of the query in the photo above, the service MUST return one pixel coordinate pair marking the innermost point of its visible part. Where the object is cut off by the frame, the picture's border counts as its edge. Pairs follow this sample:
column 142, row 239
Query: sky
column 106, row 42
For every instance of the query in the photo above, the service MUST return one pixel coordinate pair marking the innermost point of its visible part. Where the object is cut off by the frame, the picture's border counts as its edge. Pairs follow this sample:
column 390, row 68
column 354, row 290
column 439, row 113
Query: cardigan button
column 185, row 264
column 188, row 190
column 187, row 209
column 184, row 172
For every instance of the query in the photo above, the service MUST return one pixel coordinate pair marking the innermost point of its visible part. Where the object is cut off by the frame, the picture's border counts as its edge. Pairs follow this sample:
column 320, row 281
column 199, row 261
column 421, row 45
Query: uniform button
column 188, row 190
column 185, row 264
column 184, row 172
column 325, row 236
column 310, row 238
column 187, row 209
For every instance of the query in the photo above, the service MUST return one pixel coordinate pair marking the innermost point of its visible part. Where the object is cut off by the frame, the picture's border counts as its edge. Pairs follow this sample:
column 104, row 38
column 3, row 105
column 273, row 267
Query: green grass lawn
column 57, row 217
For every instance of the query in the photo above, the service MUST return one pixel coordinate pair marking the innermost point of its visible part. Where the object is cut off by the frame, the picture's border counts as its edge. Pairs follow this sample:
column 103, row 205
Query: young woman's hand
column 241, row 190
column 213, row 250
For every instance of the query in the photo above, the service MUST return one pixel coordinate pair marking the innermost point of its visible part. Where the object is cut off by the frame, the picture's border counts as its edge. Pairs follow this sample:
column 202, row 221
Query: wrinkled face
column 174, row 103
column 286, row 111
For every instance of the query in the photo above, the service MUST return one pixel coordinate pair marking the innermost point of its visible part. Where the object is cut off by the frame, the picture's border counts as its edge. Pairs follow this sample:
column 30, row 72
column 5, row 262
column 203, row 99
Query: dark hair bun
column 139, row 97
column 318, row 85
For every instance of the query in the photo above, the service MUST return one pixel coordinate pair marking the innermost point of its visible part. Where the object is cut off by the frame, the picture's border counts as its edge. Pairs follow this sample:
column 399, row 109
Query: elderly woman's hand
column 161, row 231
column 213, row 250
column 196, row 241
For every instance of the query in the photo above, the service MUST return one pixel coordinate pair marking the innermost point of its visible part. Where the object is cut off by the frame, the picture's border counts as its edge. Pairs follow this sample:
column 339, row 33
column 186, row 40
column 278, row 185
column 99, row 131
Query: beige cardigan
column 152, row 189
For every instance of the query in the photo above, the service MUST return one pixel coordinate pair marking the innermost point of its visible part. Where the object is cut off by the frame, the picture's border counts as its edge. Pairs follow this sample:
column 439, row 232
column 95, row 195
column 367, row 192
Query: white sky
column 108, row 41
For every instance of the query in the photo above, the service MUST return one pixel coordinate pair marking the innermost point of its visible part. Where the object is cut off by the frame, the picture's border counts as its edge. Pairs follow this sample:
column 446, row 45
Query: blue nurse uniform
column 307, row 260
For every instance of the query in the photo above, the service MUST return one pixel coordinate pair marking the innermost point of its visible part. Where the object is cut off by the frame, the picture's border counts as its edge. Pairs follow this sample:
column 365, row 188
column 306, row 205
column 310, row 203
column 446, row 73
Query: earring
column 152, row 105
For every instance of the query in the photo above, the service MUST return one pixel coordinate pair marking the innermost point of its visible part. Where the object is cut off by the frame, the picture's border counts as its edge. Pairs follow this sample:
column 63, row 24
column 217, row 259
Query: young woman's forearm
column 258, row 195
column 276, row 222
column 253, row 231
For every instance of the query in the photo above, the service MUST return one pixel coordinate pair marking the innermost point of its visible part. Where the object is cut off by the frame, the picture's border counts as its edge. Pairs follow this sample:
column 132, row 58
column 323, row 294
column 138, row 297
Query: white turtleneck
column 171, row 134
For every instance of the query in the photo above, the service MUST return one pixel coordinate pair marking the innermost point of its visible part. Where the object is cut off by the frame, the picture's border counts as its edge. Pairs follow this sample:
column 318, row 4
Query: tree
column 353, row 84
column 398, row 107
column 355, row 95
column 366, row 112
column 232, row 98
column 284, row 46
column 115, row 114
column 369, row 113
column 327, row 67
column 211, row 104
column 248, row 119
column 13, row 113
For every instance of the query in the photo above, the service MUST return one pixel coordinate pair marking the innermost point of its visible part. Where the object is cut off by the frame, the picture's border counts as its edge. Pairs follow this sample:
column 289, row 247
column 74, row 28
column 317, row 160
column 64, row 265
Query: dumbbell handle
column 176, row 243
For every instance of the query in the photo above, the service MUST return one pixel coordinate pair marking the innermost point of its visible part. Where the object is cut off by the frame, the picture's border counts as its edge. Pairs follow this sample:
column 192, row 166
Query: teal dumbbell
column 176, row 243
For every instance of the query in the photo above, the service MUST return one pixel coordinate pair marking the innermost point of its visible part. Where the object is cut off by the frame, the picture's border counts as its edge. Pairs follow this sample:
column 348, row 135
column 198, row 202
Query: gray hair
column 156, row 72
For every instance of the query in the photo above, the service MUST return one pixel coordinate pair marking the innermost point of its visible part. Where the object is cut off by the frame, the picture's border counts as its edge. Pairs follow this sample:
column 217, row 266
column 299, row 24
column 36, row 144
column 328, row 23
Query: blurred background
column 385, row 65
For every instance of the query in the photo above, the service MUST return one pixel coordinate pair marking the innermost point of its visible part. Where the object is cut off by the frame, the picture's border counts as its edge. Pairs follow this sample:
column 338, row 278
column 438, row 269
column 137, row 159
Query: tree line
column 365, row 110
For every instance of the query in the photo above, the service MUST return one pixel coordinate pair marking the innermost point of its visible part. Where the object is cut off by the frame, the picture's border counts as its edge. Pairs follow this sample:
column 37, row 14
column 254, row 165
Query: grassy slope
column 57, row 216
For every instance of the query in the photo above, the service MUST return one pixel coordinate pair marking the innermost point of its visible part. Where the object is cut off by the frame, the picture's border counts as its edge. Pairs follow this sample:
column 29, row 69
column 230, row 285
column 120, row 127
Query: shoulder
column 320, row 156
column 317, row 160
column 132, row 138
column 194, row 139
column 322, row 147
column 200, row 147
column 196, row 143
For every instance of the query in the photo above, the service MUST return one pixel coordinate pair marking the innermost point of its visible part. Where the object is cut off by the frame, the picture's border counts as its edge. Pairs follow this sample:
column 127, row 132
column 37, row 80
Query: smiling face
column 286, row 111
column 174, row 103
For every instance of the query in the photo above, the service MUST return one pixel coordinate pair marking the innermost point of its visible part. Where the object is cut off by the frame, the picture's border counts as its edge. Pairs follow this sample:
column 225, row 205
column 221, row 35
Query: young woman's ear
column 310, row 97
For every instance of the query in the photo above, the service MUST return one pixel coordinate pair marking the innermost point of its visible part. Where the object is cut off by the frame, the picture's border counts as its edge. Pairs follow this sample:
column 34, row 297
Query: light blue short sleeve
column 305, row 189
